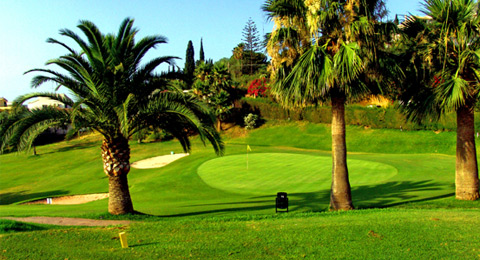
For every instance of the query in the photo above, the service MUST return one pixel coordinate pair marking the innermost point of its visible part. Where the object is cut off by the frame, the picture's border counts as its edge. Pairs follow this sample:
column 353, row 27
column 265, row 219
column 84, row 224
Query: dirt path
column 60, row 221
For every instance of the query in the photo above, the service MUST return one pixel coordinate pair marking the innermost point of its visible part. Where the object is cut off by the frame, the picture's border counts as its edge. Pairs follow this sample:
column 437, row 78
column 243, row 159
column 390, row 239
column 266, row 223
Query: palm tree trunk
column 340, row 197
column 466, row 173
column 116, row 164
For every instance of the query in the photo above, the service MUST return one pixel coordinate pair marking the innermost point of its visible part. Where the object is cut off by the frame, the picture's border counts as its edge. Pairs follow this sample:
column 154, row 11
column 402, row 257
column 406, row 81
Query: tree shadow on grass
column 23, row 196
column 397, row 193
column 78, row 146
column 367, row 196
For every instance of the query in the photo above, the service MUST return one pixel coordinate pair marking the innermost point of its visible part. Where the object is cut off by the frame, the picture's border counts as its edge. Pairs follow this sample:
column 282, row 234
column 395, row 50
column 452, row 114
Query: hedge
column 374, row 117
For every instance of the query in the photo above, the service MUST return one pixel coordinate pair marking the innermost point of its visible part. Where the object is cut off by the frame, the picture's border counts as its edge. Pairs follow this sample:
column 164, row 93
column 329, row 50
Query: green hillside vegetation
column 369, row 116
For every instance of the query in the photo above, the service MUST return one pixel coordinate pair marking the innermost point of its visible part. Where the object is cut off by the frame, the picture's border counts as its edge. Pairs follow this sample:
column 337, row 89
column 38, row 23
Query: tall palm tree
column 330, row 68
column 445, row 50
column 116, row 95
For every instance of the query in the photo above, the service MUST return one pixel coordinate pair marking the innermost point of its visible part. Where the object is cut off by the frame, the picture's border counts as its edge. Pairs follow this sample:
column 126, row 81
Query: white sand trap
column 157, row 162
column 69, row 200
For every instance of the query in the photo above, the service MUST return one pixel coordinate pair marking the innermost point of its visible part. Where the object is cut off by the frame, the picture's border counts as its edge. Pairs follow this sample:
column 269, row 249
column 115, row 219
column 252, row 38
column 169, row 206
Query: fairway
column 269, row 173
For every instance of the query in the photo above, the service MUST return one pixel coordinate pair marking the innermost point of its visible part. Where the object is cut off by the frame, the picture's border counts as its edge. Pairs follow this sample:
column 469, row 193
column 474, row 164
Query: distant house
column 4, row 104
column 45, row 102
column 42, row 102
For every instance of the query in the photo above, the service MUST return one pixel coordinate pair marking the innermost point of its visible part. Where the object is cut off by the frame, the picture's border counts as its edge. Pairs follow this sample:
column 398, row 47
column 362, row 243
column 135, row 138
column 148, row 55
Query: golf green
column 267, row 173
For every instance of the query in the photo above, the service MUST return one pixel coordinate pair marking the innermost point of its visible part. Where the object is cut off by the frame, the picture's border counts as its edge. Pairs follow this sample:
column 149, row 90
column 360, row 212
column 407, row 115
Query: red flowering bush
column 258, row 87
column 437, row 81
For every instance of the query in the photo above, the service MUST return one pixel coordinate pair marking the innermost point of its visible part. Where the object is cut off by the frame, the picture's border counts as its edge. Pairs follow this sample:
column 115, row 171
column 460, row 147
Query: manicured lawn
column 183, row 188
column 268, row 173
column 203, row 206
column 365, row 234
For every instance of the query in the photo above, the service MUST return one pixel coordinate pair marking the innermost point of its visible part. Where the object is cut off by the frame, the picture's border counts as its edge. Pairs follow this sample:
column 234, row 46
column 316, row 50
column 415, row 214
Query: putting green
column 269, row 173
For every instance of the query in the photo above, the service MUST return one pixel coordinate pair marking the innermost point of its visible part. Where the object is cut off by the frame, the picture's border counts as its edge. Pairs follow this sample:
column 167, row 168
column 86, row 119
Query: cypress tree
column 202, row 55
column 189, row 64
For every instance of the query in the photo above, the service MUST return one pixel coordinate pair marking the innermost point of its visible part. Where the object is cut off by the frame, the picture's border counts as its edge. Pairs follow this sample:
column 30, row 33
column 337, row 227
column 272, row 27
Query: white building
column 44, row 102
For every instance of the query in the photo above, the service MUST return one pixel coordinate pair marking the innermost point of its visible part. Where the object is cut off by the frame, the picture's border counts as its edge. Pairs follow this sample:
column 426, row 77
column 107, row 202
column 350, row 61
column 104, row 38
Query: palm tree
column 445, row 50
column 114, row 94
column 213, row 84
column 330, row 66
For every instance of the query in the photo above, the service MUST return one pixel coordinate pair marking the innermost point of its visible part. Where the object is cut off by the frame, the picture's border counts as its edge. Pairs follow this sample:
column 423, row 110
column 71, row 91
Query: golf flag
column 248, row 148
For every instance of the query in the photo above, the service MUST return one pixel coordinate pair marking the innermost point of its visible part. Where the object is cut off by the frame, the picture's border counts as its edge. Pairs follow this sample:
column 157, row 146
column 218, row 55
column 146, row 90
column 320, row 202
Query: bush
column 250, row 121
column 258, row 88
column 159, row 135
column 374, row 117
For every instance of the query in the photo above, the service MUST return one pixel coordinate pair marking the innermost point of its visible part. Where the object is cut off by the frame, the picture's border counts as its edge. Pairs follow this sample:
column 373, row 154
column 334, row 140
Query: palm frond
column 453, row 93
column 24, row 127
column 348, row 65
column 310, row 79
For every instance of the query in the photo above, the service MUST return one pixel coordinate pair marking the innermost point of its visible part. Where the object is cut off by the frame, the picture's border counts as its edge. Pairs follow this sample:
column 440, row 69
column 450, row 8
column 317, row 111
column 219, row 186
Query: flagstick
column 247, row 157
column 246, row 137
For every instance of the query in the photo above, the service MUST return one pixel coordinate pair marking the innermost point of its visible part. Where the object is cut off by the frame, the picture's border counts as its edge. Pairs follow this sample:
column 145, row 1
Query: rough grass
column 365, row 234
column 10, row 226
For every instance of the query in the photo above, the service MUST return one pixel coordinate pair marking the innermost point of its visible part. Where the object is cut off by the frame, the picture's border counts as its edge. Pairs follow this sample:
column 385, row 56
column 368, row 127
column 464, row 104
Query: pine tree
column 252, row 42
column 251, row 37
column 202, row 54
column 189, row 64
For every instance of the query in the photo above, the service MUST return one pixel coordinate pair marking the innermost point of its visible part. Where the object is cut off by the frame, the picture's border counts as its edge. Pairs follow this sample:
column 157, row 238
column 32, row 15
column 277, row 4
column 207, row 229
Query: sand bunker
column 69, row 200
column 157, row 162
column 154, row 162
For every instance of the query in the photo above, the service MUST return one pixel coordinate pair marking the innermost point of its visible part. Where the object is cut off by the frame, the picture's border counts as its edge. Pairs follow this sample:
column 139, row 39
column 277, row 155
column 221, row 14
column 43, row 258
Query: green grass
column 366, row 234
column 75, row 167
column 359, row 139
column 268, row 173
column 204, row 206
column 10, row 226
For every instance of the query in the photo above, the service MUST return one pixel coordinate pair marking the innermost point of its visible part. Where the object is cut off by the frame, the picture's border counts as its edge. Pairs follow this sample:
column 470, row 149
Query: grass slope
column 75, row 167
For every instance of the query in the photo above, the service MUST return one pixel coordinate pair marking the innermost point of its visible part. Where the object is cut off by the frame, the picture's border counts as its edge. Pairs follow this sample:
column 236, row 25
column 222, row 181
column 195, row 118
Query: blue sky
column 26, row 24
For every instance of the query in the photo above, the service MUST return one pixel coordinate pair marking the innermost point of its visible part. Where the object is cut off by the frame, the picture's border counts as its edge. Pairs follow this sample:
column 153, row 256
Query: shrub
column 258, row 87
column 250, row 121
column 373, row 117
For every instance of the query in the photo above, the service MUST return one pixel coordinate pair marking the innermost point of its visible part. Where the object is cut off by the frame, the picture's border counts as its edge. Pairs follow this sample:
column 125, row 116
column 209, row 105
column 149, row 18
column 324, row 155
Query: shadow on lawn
column 368, row 196
column 79, row 146
column 72, row 147
column 23, row 196
column 397, row 193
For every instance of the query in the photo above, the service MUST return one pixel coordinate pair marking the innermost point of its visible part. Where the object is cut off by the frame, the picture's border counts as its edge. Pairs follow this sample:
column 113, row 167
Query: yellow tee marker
column 248, row 148
column 123, row 239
